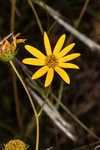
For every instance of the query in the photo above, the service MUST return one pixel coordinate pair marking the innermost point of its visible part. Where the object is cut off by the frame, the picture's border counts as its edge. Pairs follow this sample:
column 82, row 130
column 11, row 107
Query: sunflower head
column 54, row 60
column 8, row 47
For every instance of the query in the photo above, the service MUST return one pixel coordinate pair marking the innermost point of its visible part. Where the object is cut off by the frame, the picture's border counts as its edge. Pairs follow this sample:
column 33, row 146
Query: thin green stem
column 60, row 94
column 82, row 13
column 47, row 95
column 30, row 99
column 52, row 26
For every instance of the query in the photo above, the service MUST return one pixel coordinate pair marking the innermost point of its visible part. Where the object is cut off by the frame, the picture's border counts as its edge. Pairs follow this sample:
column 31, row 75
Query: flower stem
column 17, row 103
column 60, row 94
column 16, row 97
column 12, row 15
column 30, row 99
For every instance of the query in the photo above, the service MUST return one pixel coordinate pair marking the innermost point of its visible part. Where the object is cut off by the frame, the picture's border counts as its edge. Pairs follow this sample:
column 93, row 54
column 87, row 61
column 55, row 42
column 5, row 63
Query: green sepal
column 8, row 56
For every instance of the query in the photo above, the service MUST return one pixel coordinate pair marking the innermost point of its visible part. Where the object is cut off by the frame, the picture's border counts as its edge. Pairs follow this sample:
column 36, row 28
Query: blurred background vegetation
column 82, row 97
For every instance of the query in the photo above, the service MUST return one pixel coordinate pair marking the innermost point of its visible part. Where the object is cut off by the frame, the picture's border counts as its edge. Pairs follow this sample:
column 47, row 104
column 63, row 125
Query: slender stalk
column 36, row 16
column 52, row 26
column 12, row 15
column 60, row 93
column 17, row 104
column 16, row 97
column 82, row 12
column 30, row 99
column 80, row 17
column 47, row 95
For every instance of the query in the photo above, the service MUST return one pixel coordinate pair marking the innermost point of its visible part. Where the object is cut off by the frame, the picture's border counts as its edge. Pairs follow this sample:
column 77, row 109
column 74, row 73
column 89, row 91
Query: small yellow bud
column 8, row 48
column 15, row 145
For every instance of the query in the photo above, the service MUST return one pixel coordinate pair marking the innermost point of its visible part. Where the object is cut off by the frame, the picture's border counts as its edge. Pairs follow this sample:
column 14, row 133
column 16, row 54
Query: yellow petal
column 47, row 44
column 63, row 74
column 68, row 65
column 66, row 50
column 59, row 44
column 39, row 73
column 34, row 61
column 69, row 57
column 49, row 77
column 35, row 52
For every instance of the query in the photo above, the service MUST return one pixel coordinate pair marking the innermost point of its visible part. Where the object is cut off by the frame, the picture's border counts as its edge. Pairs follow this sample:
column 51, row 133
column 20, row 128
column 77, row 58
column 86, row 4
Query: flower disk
column 15, row 145
column 53, row 61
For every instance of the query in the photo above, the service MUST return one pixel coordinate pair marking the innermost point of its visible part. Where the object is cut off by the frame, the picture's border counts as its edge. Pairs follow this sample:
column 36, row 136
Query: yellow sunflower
column 52, row 61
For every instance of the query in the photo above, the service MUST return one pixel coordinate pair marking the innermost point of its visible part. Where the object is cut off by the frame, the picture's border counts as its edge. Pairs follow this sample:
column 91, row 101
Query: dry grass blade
column 59, row 18
column 55, row 116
